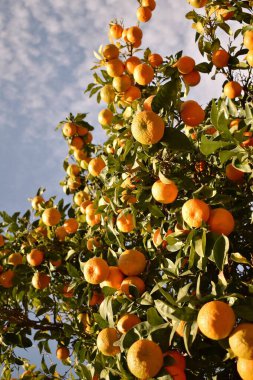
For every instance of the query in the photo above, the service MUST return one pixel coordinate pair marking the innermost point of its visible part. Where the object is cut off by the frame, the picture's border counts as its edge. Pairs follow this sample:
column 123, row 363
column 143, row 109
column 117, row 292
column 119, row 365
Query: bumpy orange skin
column 35, row 257
column 114, row 278
column 131, row 64
column 143, row 14
column 115, row 68
column 147, row 127
column 240, row 341
column 122, row 83
column 131, row 94
column 248, row 39
column 105, row 117
column 164, row 192
column 147, row 105
column 51, row 216
column 105, row 341
column 62, row 353
column 110, row 51
column 132, row 280
column 216, row 320
column 71, row 225
column 232, row 89
column 245, row 368
column 234, row 174
column 127, row 322
column 144, row 359
column 69, row 129
column 155, row 59
column 249, row 58
column 134, row 34
column 192, row 114
column 221, row 221
column 192, row 79
column 185, row 64
column 6, row 278
column 143, row 74
column 96, row 165
column 125, row 223
column 132, row 262
column 195, row 212
column 95, row 270
column 116, row 31
column 107, row 93
column 220, row 58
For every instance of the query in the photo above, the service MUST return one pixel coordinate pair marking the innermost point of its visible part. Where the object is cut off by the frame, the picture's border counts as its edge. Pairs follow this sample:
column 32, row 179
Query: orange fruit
column 79, row 154
column 131, row 64
column 80, row 197
column 147, row 127
column 51, row 216
column 84, row 205
column 248, row 142
column 40, row 280
column 73, row 170
column 90, row 209
column 125, row 222
column 67, row 292
column 88, row 138
column 77, row 143
column 245, row 368
column 143, row 14
column 6, row 278
column 126, row 322
column 131, row 94
column 95, row 270
column 114, row 278
column 115, row 68
column 62, row 353
column 110, row 51
column 132, row 262
column 155, row 59
column 143, row 74
column 195, row 212
column 234, row 174
column 96, row 299
column 180, row 328
column 124, row 35
column 240, row 341
column 86, row 321
column 115, row 31
column 56, row 263
column 164, row 192
column 249, row 58
column 128, row 198
column 74, row 183
column 147, row 105
column 176, row 372
column 81, row 131
column 151, row 4
column 144, row 359
column 69, row 129
column 134, row 34
column 157, row 237
column 122, row 83
column 185, row 64
column 71, row 225
column 232, row 89
column 135, row 281
column 15, row 259
column 191, row 113
column 197, row 3
column 35, row 257
column 1, row 240
column 106, row 341
column 216, row 320
column 107, row 93
column 221, row 221
column 93, row 243
column 220, row 58
column 180, row 361
column 96, row 165
column 192, row 79
column 36, row 201
column 93, row 220
column 248, row 39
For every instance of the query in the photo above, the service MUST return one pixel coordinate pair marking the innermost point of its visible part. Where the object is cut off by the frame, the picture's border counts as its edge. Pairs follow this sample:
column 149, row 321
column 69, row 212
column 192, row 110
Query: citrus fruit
column 134, row 34
column 176, row 372
column 40, row 280
column 147, row 105
column 220, row 58
column 249, row 58
column 131, row 63
column 232, row 89
column 143, row 14
column 105, row 117
column 62, row 353
column 155, row 59
column 191, row 113
column 96, row 165
column 245, row 368
column 107, row 93
column 126, row 322
column 134, row 281
column 195, row 212
column 240, row 341
column 106, row 341
column 95, row 270
column 125, row 222
column 147, row 127
column 114, row 278
column 6, row 278
column 132, row 262
column 1, row 240
column 248, row 39
column 143, row 74
column 164, row 192
column 115, row 31
column 71, row 225
column 185, row 64
column 51, row 216
column 69, row 129
column 35, row 257
column 36, row 201
column 180, row 361
column 131, row 94
column 110, row 51
column 122, row 83
column 192, row 79
column 221, row 221
column 197, row 3
column 234, row 174
column 115, row 68
column 15, row 259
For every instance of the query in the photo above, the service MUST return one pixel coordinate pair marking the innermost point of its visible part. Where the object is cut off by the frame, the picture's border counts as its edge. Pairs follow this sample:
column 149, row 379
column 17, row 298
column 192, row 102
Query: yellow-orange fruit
column 107, row 93
column 143, row 74
column 115, row 68
column 197, row 3
column 15, row 259
column 185, row 64
column 36, row 201
column 71, row 225
column 134, row 34
column 180, row 328
column 147, row 127
column 35, row 257
column 62, row 353
column 110, row 51
column 155, row 59
column 234, row 174
column 126, row 322
column 105, row 117
column 69, row 129
column 114, row 278
column 144, row 359
column 249, row 58
column 40, row 280
column 232, row 89
column 191, row 113
column 143, row 14
column 131, row 94
column 96, row 165
column 164, row 192
column 147, row 105
column 106, row 340
column 73, row 170
column 81, row 131
column 74, row 183
column 132, row 262
column 131, row 63
column 115, row 31
column 240, row 341
column 80, row 155
column 125, row 222
column 134, row 281
column 221, row 221
column 248, row 39
column 122, row 83
column 192, row 79
column 1, row 240
column 77, row 143
column 220, row 58
column 216, row 320
column 6, row 278
column 93, row 243
column 245, row 368
column 51, row 216
column 95, row 270
column 151, row 4
column 195, row 212
column 180, row 361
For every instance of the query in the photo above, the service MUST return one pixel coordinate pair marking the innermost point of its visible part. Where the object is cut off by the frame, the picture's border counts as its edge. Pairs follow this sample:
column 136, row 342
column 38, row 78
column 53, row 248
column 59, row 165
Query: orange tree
column 148, row 272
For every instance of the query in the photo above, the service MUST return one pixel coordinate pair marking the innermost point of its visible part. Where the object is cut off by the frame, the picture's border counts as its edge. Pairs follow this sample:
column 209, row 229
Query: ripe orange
column 71, row 225
column 81, row 131
column 180, row 328
column 185, row 64
column 106, row 341
column 234, row 174
column 95, row 270
column 131, row 63
column 191, row 113
column 125, row 222
column 56, row 263
column 114, row 278
column 248, row 39
column 216, row 320
column 195, row 212
column 221, row 221
column 147, row 127
column 115, row 68
column 245, row 368
column 249, row 58
column 128, row 198
column 36, row 201
column 143, row 74
column 107, row 93
column 224, row 14
column 232, row 89
column 220, row 58
column 240, row 341
column 1, row 240
column 147, row 105
column 164, row 192
column 77, row 143
column 176, row 372
column 110, row 51
column 74, row 183
column 69, row 129
column 15, row 259
column 126, row 322
column 93, row 220
column 124, row 35
column 197, row 3
column 80, row 154
column 40, row 280
column 84, row 205
column 143, row 14
column 6, row 278
column 122, row 83
column 192, row 79
column 89, row 137
column 96, row 298
column 96, row 165
column 144, row 359
column 115, row 31
column 35, row 257
column 180, row 361
column 155, row 59
column 132, row 262
column 149, row 3
column 79, row 197
column 248, row 142
column 51, row 216
column 131, row 94
column 93, row 243
column 62, row 353
column 73, row 170
column 134, row 34
column 135, row 281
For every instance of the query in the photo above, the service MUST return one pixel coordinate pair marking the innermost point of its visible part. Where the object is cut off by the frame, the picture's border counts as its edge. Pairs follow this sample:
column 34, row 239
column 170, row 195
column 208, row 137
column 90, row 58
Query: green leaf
column 153, row 317
column 220, row 251
column 176, row 140
column 238, row 258
column 204, row 67
column 208, row 147
column 185, row 314
column 156, row 211
column 166, row 96
column 102, row 323
column 72, row 271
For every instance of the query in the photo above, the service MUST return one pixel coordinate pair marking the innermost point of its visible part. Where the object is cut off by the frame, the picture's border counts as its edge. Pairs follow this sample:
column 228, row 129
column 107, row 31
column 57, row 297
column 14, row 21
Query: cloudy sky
column 46, row 50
